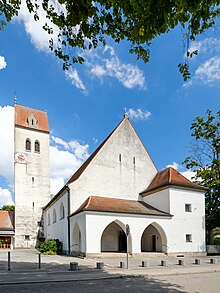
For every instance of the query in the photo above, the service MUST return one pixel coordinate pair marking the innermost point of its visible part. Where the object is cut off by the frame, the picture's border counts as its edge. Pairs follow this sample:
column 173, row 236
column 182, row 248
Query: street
column 190, row 283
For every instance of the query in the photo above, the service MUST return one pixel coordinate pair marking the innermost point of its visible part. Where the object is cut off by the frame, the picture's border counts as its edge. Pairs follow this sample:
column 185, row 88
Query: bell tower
column 31, row 174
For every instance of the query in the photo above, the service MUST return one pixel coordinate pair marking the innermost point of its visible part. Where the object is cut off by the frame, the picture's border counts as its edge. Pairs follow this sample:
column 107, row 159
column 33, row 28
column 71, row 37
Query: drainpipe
column 68, row 218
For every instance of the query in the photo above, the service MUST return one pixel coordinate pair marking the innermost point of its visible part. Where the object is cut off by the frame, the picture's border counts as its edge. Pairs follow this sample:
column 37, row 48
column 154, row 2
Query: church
column 117, row 201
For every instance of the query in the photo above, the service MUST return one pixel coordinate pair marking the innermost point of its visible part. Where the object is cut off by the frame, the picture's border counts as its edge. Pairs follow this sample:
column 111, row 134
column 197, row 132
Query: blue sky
column 85, row 104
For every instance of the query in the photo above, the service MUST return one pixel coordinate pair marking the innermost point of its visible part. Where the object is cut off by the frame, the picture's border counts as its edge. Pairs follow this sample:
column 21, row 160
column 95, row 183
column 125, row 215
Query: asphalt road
column 195, row 283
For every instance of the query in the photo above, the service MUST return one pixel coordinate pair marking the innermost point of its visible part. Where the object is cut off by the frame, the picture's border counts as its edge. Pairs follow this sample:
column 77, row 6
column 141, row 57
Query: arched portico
column 114, row 239
column 76, row 246
column 153, row 239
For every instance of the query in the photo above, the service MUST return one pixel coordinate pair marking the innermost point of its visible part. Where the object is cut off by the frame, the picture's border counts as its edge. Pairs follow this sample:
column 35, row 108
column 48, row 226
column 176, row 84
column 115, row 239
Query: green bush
column 216, row 241
column 50, row 246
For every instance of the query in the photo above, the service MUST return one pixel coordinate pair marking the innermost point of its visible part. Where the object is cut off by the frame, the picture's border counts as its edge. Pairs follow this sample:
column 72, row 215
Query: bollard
column 100, row 265
column 122, row 264
column 181, row 262
column 144, row 264
column 39, row 261
column 197, row 261
column 9, row 261
column 213, row 260
column 163, row 263
column 73, row 266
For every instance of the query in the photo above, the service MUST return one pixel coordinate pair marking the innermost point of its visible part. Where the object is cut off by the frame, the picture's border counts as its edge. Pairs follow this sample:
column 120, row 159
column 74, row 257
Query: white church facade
column 117, row 186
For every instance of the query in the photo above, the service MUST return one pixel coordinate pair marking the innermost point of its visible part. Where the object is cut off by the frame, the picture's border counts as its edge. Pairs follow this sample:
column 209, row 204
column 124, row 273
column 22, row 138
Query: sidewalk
column 24, row 268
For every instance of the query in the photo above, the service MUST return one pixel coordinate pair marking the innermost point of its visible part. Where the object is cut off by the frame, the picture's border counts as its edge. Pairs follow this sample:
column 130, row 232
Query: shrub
column 216, row 241
column 50, row 246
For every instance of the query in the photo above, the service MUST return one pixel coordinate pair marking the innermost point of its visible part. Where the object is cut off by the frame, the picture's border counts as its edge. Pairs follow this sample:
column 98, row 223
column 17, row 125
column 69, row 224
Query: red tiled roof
column 22, row 114
column 168, row 177
column 7, row 220
column 114, row 205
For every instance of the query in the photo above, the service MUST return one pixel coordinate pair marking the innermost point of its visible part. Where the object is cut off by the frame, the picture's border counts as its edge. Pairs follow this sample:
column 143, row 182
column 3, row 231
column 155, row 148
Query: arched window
column 48, row 219
column 54, row 216
column 28, row 145
column 62, row 211
column 37, row 146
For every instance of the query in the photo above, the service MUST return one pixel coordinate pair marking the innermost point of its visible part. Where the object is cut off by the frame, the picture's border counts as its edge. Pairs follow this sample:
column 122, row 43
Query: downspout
column 68, row 218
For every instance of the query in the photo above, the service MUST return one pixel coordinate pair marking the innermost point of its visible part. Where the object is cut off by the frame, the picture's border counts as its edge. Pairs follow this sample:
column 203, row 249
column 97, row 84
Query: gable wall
column 107, row 176
column 159, row 200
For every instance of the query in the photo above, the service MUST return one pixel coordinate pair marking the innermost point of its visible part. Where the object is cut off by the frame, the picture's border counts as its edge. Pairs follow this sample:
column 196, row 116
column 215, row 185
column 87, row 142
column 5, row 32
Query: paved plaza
column 24, row 267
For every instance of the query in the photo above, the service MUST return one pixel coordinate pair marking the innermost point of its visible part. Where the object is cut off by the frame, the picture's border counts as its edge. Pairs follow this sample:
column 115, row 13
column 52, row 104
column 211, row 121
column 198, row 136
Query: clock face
column 21, row 158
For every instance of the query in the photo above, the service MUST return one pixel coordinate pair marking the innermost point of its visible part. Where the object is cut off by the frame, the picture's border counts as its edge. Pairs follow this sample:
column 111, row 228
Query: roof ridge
column 44, row 111
column 170, row 176
column 88, row 202
column 80, row 170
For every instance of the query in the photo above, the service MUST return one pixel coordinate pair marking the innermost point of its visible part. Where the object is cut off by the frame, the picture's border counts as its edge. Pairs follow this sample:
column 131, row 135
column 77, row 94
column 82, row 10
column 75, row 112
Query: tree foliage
column 50, row 247
column 205, row 162
column 8, row 208
column 85, row 23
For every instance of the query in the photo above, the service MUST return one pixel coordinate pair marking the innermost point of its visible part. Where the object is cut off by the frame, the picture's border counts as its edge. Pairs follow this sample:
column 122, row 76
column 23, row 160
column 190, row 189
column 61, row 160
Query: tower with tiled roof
column 32, row 174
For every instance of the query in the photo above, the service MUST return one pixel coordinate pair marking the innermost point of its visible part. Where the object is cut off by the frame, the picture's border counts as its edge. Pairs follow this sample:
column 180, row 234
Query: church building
column 116, row 201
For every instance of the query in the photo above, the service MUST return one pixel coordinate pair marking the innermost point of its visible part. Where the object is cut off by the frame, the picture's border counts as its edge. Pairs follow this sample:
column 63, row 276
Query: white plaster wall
column 159, row 200
column 108, row 177
column 30, row 196
column 79, row 220
column 96, row 224
column 187, row 222
column 59, row 229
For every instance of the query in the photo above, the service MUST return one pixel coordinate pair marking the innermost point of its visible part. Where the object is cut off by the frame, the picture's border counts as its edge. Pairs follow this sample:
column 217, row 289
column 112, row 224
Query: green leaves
column 205, row 162
column 84, row 24
column 184, row 70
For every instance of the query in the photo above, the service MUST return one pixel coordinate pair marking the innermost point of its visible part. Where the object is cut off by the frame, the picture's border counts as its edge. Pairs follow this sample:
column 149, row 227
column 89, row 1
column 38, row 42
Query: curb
column 116, row 276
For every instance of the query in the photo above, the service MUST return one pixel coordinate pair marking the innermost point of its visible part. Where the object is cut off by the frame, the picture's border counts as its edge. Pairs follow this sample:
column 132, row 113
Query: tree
column 205, row 162
column 85, row 23
column 8, row 208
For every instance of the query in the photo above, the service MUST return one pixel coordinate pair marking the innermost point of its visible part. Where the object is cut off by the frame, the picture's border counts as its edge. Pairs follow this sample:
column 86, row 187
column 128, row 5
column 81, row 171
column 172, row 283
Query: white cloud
column 98, row 71
column 209, row 71
column 73, row 75
column 107, row 63
column 5, row 197
column 175, row 166
column 138, row 114
column 3, row 63
column 188, row 174
column 208, row 45
column 7, row 138
column 39, row 37
column 66, row 157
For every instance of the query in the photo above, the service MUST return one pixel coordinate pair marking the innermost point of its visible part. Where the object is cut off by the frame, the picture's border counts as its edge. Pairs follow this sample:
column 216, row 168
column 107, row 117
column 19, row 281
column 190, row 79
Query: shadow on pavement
column 122, row 285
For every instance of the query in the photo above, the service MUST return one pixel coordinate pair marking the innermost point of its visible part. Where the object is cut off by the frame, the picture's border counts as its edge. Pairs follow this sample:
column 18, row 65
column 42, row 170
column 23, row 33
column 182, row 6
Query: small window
column 62, row 211
column 188, row 237
column 37, row 146
column 54, row 216
column 134, row 160
column 39, row 223
column 27, row 237
column 48, row 219
column 188, row 208
column 119, row 157
column 28, row 145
